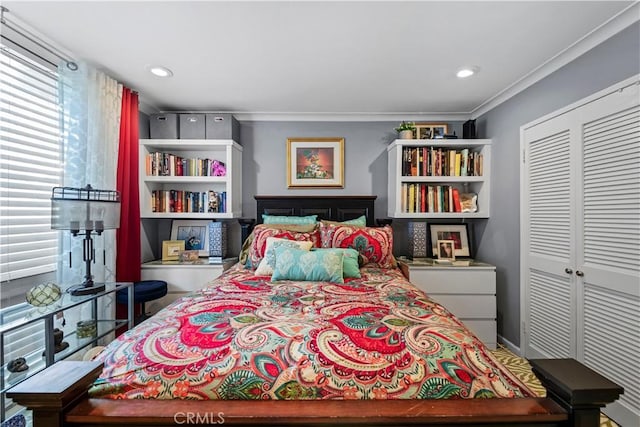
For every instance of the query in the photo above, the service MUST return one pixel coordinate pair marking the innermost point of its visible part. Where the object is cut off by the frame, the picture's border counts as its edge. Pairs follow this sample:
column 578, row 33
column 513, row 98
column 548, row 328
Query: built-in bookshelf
column 190, row 178
column 447, row 178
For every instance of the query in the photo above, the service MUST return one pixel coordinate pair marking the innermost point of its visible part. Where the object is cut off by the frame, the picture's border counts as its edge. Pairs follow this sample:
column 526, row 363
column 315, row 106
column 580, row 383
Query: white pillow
column 268, row 263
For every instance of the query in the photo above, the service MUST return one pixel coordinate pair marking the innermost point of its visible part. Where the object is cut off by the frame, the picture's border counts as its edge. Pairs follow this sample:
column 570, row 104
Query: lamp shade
column 82, row 209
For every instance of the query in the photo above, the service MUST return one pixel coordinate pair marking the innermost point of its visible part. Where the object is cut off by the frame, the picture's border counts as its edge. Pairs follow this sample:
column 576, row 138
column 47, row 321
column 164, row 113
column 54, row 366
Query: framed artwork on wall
column 315, row 162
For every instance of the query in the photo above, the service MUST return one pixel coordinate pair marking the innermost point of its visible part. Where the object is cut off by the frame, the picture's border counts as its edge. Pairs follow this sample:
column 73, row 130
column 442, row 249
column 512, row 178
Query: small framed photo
column 171, row 249
column 431, row 130
column 458, row 233
column 315, row 162
column 195, row 235
column 446, row 250
column 189, row 256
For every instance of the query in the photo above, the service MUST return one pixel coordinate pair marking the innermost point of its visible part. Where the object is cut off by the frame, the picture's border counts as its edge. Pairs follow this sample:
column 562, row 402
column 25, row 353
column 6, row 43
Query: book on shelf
column 436, row 161
column 417, row 197
column 183, row 201
column 169, row 164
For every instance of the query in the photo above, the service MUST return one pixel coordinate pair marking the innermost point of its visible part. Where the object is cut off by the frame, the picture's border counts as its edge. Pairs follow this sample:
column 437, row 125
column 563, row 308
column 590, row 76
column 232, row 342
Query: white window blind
column 30, row 165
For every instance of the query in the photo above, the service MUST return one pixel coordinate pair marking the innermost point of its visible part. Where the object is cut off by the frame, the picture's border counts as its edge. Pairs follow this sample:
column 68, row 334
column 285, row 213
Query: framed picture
column 445, row 250
column 315, row 162
column 431, row 130
column 188, row 256
column 458, row 233
column 195, row 235
column 171, row 249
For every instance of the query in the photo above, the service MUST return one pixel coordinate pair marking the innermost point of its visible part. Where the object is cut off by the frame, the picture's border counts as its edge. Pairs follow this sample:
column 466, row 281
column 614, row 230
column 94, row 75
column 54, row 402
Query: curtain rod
column 36, row 40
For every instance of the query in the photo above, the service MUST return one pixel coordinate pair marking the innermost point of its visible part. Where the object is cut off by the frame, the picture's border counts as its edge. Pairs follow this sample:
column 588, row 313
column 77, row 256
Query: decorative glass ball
column 44, row 294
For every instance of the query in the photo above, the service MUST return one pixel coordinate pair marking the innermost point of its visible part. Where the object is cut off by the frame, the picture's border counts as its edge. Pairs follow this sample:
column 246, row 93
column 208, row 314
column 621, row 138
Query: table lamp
column 85, row 211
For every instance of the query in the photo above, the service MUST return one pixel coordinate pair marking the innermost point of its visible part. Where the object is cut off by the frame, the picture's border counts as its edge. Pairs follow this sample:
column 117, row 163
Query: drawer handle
column 568, row 270
column 579, row 273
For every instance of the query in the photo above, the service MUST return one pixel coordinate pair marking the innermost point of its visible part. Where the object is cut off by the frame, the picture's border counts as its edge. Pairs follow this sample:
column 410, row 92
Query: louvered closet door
column 609, row 290
column 549, row 311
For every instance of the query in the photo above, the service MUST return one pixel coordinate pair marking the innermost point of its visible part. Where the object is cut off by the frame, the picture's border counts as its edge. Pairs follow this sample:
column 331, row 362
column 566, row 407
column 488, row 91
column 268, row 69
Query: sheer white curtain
column 91, row 103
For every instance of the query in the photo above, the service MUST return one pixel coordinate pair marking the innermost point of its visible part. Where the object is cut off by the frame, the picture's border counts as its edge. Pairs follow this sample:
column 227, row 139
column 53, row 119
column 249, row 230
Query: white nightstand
column 469, row 292
column 181, row 279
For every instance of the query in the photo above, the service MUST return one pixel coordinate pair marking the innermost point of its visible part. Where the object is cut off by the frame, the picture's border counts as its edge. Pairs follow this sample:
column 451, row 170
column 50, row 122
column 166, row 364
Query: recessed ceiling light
column 466, row 72
column 161, row 71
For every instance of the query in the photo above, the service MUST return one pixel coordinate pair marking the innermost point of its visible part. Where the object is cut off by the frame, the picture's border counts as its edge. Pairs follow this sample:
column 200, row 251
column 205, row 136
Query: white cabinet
column 181, row 279
column 580, row 247
column 420, row 171
column 469, row 292
column 188, row 178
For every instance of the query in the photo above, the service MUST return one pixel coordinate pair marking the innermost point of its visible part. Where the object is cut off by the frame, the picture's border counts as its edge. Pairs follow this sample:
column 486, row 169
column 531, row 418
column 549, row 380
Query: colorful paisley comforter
column 244, row 337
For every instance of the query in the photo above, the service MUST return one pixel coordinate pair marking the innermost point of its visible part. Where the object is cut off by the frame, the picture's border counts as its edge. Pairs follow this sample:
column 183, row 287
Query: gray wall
column 499, row 238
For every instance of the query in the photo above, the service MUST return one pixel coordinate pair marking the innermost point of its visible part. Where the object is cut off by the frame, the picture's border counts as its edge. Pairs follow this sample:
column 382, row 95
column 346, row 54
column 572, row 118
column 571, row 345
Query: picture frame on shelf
column 445, row 250
column 171, row 249
column 315, row 162
column 189, row 256
column 431, row 130
column 458, row 233
column 194, row 234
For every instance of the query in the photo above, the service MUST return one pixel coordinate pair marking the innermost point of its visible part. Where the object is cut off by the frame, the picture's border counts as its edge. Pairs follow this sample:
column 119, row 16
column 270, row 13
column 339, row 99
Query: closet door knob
column 568, row 270
column 579, row 273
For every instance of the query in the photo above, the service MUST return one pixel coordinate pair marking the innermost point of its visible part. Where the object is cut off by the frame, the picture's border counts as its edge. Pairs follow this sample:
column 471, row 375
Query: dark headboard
column 333, row 208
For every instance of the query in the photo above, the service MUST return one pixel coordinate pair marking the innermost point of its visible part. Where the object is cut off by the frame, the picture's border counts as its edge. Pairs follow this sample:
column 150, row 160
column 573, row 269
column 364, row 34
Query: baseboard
column 509, row 345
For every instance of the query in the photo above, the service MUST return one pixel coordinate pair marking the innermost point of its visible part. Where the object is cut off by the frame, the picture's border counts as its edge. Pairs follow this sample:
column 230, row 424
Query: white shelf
column 224, row 150
column 479, row 185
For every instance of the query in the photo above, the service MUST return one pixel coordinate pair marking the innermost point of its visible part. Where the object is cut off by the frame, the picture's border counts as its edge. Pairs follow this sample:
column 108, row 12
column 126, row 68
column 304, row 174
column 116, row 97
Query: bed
column 282, row 349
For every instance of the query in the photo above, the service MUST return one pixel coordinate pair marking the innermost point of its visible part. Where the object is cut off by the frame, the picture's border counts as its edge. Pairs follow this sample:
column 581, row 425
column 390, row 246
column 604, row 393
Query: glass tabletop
column 30, row 313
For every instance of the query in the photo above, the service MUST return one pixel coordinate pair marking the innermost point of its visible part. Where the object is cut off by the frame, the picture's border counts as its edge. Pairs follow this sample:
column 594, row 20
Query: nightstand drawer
column 468, row 306
column 454, row 280
column 182, row 279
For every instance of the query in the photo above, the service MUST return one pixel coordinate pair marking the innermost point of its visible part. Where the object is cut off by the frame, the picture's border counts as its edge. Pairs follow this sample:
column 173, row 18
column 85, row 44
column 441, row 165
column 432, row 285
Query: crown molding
column 608, row 29
column 349, row 117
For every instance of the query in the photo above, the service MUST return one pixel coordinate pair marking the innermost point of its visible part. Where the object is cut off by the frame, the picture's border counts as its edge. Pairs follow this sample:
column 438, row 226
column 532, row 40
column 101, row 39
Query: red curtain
column 128, row 235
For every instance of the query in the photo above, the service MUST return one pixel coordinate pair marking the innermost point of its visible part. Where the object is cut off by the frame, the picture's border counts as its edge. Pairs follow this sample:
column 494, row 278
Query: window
column 30, row 164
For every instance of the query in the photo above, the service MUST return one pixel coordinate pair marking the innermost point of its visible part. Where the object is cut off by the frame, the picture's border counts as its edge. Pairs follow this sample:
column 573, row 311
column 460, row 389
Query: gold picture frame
column 431, row 130
column 315, row 162
column 171, row 249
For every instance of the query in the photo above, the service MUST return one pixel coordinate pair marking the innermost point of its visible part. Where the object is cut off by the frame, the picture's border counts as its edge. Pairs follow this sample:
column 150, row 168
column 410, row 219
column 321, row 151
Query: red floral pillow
column 375, row 244
column 262, row 232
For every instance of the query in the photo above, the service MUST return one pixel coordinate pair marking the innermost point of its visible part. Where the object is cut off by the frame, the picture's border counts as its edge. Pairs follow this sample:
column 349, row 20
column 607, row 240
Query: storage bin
column 163, row 126
column 222, row 126
column 192, row 126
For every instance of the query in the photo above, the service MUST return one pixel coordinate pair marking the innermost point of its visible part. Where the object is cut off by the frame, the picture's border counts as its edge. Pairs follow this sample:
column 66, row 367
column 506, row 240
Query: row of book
column 424, row 198
column 188, row 201
column 436, row 161
column 167, row 164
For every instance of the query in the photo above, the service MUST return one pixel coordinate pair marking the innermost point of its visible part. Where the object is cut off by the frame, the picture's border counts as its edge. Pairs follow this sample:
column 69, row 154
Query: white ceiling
column 352, row 58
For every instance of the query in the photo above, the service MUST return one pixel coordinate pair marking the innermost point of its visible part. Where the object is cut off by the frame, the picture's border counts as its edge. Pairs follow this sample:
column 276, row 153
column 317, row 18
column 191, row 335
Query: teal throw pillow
column 284, row 219
column 350, row 266
column 360, row 221
column 317, row 266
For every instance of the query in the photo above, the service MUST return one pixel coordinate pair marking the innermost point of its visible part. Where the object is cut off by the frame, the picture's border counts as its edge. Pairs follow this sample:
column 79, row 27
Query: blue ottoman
column 143, row 291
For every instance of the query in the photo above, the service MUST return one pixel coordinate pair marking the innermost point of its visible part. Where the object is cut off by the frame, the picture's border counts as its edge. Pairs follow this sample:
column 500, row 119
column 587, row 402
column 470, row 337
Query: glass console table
column 24, row 317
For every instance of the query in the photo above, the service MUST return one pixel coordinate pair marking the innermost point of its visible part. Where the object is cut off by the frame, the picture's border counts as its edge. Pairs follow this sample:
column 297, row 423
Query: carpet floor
column 521, row 368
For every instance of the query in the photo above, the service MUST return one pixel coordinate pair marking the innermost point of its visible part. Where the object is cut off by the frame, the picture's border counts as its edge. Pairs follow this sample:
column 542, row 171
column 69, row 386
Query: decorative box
column 192, row 126
column 222, row 126
column 417, row 239
column 217, row 239
column 163, row 126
